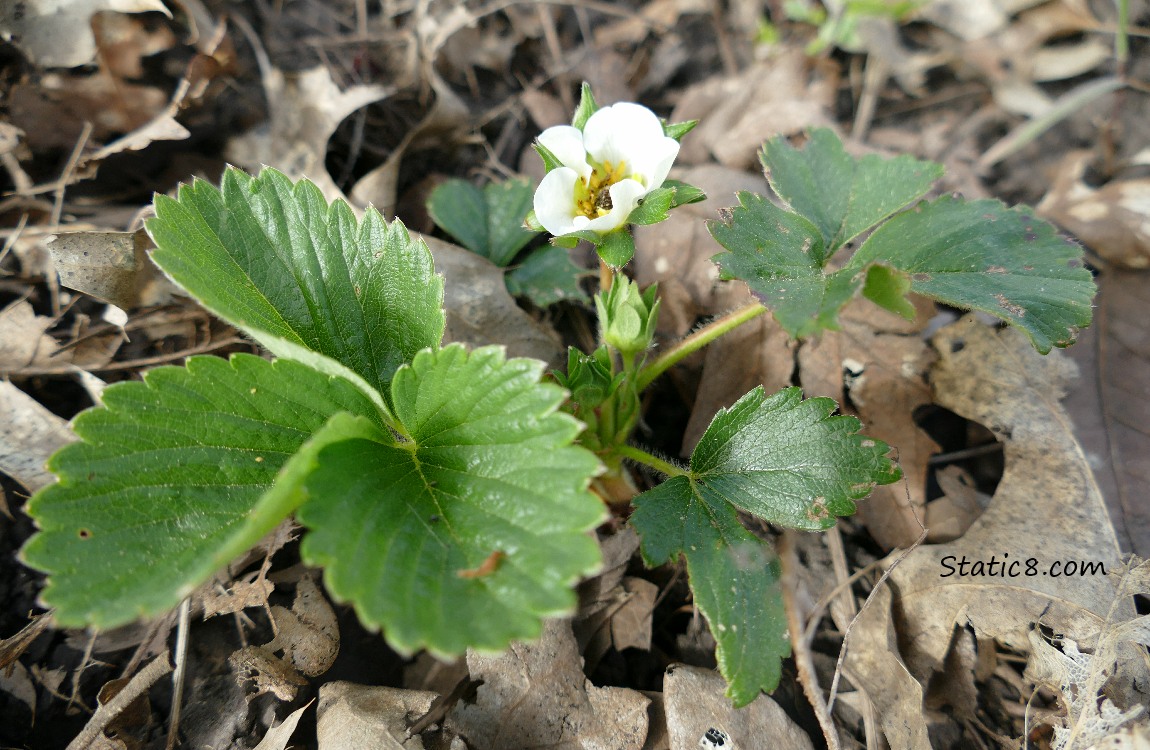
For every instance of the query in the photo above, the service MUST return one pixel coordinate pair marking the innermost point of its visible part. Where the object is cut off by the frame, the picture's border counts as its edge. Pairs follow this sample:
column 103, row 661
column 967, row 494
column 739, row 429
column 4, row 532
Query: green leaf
column 781, row 255
column 841, row 195
column 783, row 460
column 270, row 256
column 734, row 577
column 472, row 529
column 587, row 106
column 487, row 221
column 887, row 287
column 984, row 256
column 654, row 207
column 547, row 276
column 617, row 248
column 174, row 478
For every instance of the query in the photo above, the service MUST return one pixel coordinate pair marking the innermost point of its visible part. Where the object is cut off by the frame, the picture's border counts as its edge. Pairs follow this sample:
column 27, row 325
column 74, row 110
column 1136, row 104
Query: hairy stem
column 656, row 463
column 697, row 341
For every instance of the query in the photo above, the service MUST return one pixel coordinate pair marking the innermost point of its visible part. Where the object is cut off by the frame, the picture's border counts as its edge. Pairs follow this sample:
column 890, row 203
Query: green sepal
column 550, row 160
column 684, row 194
column 531, row 222
column 587, row 106
column 679, row 129
column 654, row 207
column 617, row 248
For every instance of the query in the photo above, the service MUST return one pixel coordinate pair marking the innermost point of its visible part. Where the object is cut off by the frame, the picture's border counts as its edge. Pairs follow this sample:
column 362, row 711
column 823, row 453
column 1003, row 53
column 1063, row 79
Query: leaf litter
column 675, row 55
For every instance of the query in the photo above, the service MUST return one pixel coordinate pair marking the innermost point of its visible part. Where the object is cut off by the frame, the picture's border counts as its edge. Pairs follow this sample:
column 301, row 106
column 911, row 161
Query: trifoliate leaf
column 174, row 478
column 270, row 256
column 472, row 528
column 781, row 459
column 487, row 221
column 843, row 196
column 781, row 255
column 546, row 276
column 984, row 256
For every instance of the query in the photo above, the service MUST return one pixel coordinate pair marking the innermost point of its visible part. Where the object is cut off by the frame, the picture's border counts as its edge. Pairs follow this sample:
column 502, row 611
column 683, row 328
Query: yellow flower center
column 594, row 198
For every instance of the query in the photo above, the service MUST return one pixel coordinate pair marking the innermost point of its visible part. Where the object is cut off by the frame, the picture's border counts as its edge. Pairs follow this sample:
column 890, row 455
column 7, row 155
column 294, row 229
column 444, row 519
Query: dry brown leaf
column 1111, row 408
column 481, row 312
column 447, row 116
column 1113, row 221
column 780, row 96
column 948, row 517
column 366, row 717
column 696, row 703
column 123, row 40
column 304, row 109
column 631, row 622
column 13, row 646
column 53, row 110
column 873, row 664
column 1047, row 508
column 29, row 434
column 278, row 736
column 58, row 33
column 535, row 695
column 113, row 267
column 266, row 672
column 23, row 341
column 881, row 370
column 241, row 595
column 361, row 717
column 308, row 633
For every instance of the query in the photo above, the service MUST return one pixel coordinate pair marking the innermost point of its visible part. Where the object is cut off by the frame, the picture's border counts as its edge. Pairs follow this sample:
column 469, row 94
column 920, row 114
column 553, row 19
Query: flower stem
column 697, row 341
column 658, row 464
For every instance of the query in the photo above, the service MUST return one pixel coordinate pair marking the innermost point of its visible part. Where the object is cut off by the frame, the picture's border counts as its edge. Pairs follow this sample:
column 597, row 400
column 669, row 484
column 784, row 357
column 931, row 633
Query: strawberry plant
column 447, row 493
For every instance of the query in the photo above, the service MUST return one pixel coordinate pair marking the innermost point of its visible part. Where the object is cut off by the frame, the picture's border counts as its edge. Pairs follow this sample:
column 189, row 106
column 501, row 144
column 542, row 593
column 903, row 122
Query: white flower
column 620, row 155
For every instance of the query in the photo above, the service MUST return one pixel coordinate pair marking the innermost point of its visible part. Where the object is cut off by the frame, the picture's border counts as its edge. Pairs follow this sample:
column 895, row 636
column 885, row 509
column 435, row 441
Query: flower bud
column 627, row 317
column 589, row 377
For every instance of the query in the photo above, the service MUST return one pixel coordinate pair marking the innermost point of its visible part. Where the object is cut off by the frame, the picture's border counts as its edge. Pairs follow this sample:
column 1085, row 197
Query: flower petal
column 566, row 143
column 654, row 161
column 625, row 196
column 617, row 132
column 555, row 206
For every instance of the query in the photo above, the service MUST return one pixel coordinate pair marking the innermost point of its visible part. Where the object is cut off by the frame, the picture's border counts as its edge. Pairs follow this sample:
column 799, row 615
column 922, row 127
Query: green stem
column 658, row 464
column 697, row 341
